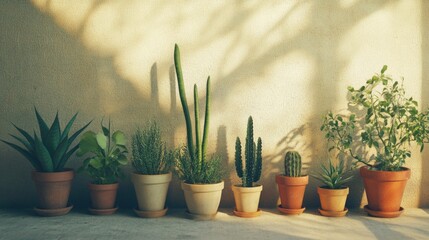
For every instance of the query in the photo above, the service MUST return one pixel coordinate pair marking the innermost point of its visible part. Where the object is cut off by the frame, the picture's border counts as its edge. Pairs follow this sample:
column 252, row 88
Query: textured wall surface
column 286, row 63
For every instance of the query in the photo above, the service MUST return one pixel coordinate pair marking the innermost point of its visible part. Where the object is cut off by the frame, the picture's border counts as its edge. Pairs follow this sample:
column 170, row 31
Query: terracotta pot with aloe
column 201, row 175
column 247, row 194
column 48, row 152
column 106, row 154
column 333, row 193
column 386, row 122
column 152, row 163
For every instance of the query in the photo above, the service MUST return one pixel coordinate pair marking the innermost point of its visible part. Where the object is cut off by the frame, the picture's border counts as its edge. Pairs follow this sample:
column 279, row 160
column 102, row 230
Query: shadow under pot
column 247, row 201
column 384, row 191
column 291, row 190
column 151, row 192
column 202, row 200
column 103, row 198
column 53, row 191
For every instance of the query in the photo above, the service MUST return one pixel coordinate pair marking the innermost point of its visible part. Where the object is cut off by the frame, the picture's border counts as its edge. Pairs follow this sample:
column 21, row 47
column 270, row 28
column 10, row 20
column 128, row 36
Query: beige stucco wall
column 284, row 62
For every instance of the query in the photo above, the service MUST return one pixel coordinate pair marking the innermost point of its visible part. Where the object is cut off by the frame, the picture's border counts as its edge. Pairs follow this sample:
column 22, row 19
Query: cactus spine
column 253, row 158
column 293, row 164
column 197, row 152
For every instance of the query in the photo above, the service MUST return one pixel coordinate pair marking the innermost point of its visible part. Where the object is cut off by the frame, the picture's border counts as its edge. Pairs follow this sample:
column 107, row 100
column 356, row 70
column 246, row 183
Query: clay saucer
column 53, row 212
column 150, row 214
column 248, row 214
column 200, row 217
column 290, row 211
column 383, row 214
column 333, row 213
column 106, row 211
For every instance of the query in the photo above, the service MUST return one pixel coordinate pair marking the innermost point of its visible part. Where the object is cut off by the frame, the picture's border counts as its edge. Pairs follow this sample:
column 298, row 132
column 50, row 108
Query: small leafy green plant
column 386, row 121
column 106, row 154
column 49, row 152
column 251, row 172
column 150, row 154
column 334, row 176
column 193, row 165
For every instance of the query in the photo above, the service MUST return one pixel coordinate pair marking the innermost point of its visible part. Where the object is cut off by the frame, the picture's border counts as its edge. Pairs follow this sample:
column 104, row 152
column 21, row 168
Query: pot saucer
column 333, row 213
column 53, row 212
column 106, row 211
column 290, row 211
column 150, row 214
column 200, row 217
column 247, row 214
column 383, row 214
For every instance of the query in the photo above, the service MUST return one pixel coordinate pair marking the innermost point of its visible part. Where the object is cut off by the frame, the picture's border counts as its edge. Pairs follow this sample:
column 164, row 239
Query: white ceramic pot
column 247, row 198
column 203, row 199
column 151, row 190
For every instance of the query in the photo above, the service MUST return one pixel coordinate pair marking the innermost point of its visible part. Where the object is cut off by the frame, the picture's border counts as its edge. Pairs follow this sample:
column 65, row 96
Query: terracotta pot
column 103, row 196
column 247, row 198
column 333, row 200
column 203, row 199
column 291, row 190
column 53, row 188
column 384, row 189
column 151, row 190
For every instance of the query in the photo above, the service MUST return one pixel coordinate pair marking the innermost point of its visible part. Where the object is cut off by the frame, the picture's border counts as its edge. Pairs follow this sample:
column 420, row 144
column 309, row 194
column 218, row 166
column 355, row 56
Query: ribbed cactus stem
column 182, row 93
column 292, row 164
column 253, row 158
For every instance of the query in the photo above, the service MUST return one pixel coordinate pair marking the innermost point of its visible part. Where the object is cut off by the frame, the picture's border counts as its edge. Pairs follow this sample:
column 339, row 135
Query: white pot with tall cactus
column 247, row 194
column 152, row 163
column 202, row 176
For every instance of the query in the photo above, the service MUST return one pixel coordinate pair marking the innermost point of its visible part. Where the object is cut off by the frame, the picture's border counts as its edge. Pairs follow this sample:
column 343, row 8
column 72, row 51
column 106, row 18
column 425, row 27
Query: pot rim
column 333, row 192
column 148, row 179
column 210, row 187
column 103, row 187
column 238, row 188
column 385, row 176
column 292, row 181
column 62, row 176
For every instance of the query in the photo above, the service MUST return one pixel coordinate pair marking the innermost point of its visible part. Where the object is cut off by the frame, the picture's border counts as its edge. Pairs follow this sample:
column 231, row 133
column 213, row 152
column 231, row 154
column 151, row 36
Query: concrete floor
column 23, row 224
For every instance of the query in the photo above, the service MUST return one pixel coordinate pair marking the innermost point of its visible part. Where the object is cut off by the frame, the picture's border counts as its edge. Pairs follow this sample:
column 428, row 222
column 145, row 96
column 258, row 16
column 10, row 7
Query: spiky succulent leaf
column 68, row 127
column 30, row 156
column 43, row 128
column 43, row 155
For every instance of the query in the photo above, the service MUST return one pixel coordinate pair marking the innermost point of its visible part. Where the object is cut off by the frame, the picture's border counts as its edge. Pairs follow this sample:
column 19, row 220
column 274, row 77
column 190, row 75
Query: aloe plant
column 106, row 154
column 50, row 151
column 334, row 176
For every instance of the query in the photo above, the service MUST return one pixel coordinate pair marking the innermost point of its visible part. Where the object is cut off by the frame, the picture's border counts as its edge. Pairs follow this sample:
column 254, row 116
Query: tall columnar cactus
column 293, row 164
column 197, row 152
column 253, row 158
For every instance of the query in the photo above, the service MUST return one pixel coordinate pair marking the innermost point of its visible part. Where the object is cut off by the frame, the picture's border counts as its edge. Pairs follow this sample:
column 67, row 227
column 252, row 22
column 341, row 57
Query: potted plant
column 48, row 153
column 106, row 154
column 387, row 122
column 247, row 194
column 152, row 164
column 201, row 177
column 292, row 185
column 333, row 193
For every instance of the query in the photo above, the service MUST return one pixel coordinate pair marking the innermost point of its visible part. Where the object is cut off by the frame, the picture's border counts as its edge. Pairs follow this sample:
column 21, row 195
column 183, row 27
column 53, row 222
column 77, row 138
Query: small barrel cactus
column 253, row 158
column 293, row 164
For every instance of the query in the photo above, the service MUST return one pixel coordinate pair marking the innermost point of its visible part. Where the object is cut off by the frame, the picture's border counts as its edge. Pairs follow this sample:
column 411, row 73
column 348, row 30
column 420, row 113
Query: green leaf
column 88, row 143
column 66, row 157
column 101, row 140
column 43, row 155
column 30, row 157
column 23, row 142
column 122, row 159
column 44, row 130
column 74, row 136
column 54, row 136
column 106, row 131
column 119, row 138
column 68, row 127
column 383, row 69
column 95, row 163
column 59, row 153
column 26, row 135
